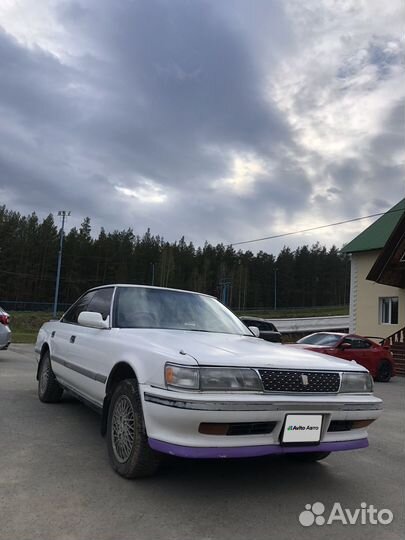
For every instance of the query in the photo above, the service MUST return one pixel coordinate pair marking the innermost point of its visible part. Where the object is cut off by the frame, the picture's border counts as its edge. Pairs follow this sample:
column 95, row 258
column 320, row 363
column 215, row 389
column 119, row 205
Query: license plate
column 302, row 428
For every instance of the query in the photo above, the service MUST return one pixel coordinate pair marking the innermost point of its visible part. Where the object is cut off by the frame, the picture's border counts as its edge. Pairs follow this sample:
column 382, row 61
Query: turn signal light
column 213, row 429
column 358, row 424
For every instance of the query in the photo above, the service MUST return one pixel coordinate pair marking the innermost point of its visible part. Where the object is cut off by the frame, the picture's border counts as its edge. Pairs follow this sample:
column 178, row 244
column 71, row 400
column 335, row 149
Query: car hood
column 215, row 349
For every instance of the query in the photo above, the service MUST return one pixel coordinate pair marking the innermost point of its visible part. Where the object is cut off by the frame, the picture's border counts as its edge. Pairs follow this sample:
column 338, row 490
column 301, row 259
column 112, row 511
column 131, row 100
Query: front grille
column 251, row 428
column 237, row 428
column 299, row 381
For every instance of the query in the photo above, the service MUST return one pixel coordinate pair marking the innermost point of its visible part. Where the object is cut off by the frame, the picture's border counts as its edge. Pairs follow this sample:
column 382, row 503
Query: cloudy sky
column 220, row 120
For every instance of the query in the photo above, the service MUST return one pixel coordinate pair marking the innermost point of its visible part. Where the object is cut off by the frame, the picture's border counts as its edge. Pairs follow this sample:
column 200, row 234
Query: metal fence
column 16, row 305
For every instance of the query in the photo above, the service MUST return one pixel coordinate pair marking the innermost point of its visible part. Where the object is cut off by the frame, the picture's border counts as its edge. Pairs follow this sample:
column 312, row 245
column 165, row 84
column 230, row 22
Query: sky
column 219, row 120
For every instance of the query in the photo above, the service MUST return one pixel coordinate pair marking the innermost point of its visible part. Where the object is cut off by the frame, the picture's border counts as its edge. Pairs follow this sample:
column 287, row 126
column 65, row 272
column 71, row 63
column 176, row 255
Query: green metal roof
column 377, row 234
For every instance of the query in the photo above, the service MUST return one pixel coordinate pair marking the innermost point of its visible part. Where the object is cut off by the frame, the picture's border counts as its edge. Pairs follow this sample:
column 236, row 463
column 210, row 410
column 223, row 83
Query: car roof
column 342, row 334
column 118, row 285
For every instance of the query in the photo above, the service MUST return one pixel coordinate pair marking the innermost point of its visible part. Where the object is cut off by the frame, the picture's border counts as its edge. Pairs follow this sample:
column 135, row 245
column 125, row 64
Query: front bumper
column 252, row 451
column 173, row 419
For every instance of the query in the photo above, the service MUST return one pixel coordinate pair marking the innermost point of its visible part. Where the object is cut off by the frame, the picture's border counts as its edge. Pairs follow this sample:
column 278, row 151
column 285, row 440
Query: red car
column 376, row 357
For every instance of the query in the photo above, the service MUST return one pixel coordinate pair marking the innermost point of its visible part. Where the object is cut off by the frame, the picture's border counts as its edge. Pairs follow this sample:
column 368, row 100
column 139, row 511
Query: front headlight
column 183, row 377
column 229, row 379
column 212, row 379
column 356, row 382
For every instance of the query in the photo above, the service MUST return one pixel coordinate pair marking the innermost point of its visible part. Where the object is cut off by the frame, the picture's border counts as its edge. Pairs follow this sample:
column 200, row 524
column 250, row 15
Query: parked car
column 175, row 372
column 5, row 332
column 376, row 357
column 267, row 329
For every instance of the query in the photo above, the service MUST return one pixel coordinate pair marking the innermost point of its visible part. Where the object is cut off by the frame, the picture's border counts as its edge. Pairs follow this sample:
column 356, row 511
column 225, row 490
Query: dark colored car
column 376, row 357
column 266, row 328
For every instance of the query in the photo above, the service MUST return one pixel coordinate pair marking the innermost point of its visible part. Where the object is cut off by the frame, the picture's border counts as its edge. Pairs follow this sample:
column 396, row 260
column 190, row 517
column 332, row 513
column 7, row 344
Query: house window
column 389, row 310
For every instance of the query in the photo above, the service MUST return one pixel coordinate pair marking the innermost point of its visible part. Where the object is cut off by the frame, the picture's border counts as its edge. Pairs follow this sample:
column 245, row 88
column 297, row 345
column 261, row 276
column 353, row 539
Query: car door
column 364, row 352
column 357, row 350
column 90, row 350
column 61, row 341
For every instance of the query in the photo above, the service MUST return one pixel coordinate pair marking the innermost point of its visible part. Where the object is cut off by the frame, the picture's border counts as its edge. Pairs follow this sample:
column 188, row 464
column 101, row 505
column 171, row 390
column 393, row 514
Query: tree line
column 304, row 277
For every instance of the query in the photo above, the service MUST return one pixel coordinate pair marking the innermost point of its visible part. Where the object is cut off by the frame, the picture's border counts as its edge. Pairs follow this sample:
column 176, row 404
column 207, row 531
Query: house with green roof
column 377, row 285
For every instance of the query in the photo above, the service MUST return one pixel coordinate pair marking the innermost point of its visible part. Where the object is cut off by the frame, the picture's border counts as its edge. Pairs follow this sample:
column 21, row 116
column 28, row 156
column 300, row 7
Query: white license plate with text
column 302, row 428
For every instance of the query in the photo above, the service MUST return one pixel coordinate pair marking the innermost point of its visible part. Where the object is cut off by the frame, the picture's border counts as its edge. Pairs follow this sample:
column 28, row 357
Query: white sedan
column 175, row 372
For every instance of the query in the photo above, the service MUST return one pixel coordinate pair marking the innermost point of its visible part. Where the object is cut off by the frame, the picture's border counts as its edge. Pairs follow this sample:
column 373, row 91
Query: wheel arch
column 121, row 371
column 44, row 349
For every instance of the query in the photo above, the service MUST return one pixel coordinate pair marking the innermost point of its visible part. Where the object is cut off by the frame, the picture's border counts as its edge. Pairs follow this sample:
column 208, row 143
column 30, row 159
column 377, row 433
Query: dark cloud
column 162, row 96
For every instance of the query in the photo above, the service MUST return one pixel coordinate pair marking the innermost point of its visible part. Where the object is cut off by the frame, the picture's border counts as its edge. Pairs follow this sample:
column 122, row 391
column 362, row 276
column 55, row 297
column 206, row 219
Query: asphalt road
column 56, row 483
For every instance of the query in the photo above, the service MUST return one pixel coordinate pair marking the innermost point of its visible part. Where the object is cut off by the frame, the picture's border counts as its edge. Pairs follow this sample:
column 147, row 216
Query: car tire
column 49, row 390
column 384, row 372
column 128, row 449
column 309, row 457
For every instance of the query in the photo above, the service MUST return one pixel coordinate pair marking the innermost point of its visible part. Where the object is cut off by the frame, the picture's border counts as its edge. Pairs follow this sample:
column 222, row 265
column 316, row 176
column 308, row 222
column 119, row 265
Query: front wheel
column 308, row 457
column 128, row 449
column 49, row 391
column 384, row 373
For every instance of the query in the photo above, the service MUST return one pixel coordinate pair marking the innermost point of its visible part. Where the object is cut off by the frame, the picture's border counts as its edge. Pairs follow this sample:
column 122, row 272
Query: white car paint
column 173, row 417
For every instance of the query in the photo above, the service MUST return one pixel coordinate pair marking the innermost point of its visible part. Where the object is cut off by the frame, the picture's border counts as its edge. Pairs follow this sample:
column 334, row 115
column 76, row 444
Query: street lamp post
column 63, row 214
column 275, row 288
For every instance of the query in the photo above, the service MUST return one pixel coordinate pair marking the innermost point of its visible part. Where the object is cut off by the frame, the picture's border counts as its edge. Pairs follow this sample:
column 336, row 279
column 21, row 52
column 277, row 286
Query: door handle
column 72, row 339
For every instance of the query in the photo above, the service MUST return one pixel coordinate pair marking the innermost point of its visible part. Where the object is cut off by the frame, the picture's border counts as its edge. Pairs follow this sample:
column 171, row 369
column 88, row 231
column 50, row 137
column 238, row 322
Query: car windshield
column 321, row 339
column 138, row 307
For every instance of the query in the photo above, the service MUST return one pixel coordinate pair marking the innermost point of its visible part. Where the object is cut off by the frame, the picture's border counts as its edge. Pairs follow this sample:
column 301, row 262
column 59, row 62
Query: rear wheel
column 128, row 449
column 49, row 391
column 384, row 372
column 308, row 457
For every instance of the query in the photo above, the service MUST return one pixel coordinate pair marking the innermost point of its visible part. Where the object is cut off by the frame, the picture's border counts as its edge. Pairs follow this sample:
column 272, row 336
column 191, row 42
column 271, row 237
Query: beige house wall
column 364, row 299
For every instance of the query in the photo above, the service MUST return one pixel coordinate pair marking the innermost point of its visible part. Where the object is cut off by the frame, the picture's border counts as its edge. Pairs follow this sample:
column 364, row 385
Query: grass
column 26, row 324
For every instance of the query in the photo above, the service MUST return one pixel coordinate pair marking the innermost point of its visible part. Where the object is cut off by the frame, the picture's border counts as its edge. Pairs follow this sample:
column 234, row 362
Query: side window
column 81, row 305
column 258, row 325
column 361, row 344
column 101, row 302
column 357, row 343
column 268, row 327
column 389, row 310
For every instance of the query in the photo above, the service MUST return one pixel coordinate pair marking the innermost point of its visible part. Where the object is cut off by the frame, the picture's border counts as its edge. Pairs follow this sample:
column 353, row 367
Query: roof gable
column 377, row 234
column 389, row 268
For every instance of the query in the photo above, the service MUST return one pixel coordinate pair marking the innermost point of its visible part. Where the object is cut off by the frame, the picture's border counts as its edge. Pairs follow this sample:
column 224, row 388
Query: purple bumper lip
column 251, row 451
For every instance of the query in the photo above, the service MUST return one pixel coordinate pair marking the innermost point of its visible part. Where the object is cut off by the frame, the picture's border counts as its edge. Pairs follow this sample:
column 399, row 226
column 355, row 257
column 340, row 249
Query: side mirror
column 345, row 346
column 255, row 331
column 92, row 320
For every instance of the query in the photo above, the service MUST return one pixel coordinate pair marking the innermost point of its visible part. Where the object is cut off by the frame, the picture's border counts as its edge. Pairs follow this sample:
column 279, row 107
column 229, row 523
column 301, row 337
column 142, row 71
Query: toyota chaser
column 175, row 372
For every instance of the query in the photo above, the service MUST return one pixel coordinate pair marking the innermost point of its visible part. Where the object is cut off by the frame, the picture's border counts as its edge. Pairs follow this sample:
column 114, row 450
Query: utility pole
column 153, row 273
column 275, row 288
column 240, row 284
column 63, row 214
